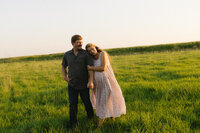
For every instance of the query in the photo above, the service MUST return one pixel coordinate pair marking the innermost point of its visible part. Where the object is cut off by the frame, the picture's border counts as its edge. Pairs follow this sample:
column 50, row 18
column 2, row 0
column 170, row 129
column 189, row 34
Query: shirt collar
column 72, row 52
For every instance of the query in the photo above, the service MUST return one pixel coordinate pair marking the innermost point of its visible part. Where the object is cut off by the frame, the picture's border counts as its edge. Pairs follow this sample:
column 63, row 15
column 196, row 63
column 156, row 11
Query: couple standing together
column 91, row 68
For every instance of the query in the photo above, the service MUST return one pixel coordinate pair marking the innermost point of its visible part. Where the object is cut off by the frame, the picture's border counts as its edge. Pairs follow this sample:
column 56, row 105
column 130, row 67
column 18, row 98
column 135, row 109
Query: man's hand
column 90, row 85
column 67, row 79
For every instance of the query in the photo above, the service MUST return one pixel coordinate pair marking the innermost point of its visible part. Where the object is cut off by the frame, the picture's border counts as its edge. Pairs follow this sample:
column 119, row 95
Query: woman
column 107, row 96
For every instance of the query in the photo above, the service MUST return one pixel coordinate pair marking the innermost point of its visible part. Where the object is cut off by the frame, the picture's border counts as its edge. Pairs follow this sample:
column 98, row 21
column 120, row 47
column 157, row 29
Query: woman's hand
column 90, row 85
column 89, row 68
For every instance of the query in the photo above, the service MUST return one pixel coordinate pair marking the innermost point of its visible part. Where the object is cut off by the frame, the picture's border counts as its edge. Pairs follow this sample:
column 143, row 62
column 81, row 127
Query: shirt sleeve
column 64, row 61
column 89, row 60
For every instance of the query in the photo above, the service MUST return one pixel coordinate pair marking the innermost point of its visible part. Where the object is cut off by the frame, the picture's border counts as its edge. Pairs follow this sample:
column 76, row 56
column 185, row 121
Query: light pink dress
column 107, row 97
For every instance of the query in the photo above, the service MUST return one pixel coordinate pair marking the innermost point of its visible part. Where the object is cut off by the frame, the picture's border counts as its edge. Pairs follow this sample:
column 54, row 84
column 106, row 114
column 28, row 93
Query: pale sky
column 34, row 27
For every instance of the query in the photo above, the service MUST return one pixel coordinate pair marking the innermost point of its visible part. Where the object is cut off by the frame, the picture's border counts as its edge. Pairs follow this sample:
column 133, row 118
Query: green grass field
column 161, row 90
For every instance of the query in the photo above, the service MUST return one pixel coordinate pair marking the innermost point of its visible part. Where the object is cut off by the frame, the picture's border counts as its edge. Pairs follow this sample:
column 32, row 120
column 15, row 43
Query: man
column 76, row 60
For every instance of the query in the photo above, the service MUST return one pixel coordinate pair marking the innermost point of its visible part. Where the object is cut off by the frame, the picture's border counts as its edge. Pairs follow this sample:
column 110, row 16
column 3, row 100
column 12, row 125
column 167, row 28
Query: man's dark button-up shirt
column 77, row 68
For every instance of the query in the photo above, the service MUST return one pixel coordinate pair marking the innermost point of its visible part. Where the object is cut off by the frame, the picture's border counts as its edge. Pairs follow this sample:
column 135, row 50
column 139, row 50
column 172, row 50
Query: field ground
column 161, row 90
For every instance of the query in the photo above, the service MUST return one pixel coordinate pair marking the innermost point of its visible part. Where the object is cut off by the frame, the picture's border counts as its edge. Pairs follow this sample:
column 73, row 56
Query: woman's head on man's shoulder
column 92, row 49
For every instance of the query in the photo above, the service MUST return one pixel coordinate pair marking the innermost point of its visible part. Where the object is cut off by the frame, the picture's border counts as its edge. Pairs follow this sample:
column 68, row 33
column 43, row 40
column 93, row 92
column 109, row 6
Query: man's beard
column 79, row 47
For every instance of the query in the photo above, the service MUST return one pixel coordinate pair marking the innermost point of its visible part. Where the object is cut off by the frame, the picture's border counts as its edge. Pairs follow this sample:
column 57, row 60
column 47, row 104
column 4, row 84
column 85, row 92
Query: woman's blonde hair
column 97, row 48
column 94, row 46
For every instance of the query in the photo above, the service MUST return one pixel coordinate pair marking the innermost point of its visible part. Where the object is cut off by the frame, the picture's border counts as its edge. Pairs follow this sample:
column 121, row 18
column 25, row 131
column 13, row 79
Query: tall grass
column 155, row 48
column 114, row 51
column 161, row 91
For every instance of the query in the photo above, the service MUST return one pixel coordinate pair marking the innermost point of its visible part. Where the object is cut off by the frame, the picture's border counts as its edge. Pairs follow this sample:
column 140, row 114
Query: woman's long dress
column 107, row 97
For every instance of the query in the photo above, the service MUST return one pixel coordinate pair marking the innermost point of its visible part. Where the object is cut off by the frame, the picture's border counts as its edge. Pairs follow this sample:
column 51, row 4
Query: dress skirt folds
column 107, row 97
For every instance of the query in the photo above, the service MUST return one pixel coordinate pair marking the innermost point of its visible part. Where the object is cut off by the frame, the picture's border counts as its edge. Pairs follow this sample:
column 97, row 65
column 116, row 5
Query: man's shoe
column 72, row 125
column 90, row 117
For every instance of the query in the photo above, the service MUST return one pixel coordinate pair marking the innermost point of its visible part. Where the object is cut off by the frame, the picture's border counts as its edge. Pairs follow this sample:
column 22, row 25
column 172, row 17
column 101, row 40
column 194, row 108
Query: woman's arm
column 91, row 79
column 102, row 67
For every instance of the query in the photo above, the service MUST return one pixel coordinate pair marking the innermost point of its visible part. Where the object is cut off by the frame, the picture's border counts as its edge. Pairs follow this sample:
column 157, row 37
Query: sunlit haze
column 34, row 27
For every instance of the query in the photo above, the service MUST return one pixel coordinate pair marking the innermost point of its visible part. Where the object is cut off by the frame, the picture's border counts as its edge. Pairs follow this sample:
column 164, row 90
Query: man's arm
column 63, row 68
column 64, row 74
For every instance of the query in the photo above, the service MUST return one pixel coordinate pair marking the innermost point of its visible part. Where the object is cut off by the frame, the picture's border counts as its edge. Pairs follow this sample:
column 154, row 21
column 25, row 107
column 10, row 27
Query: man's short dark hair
column 75, row 38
